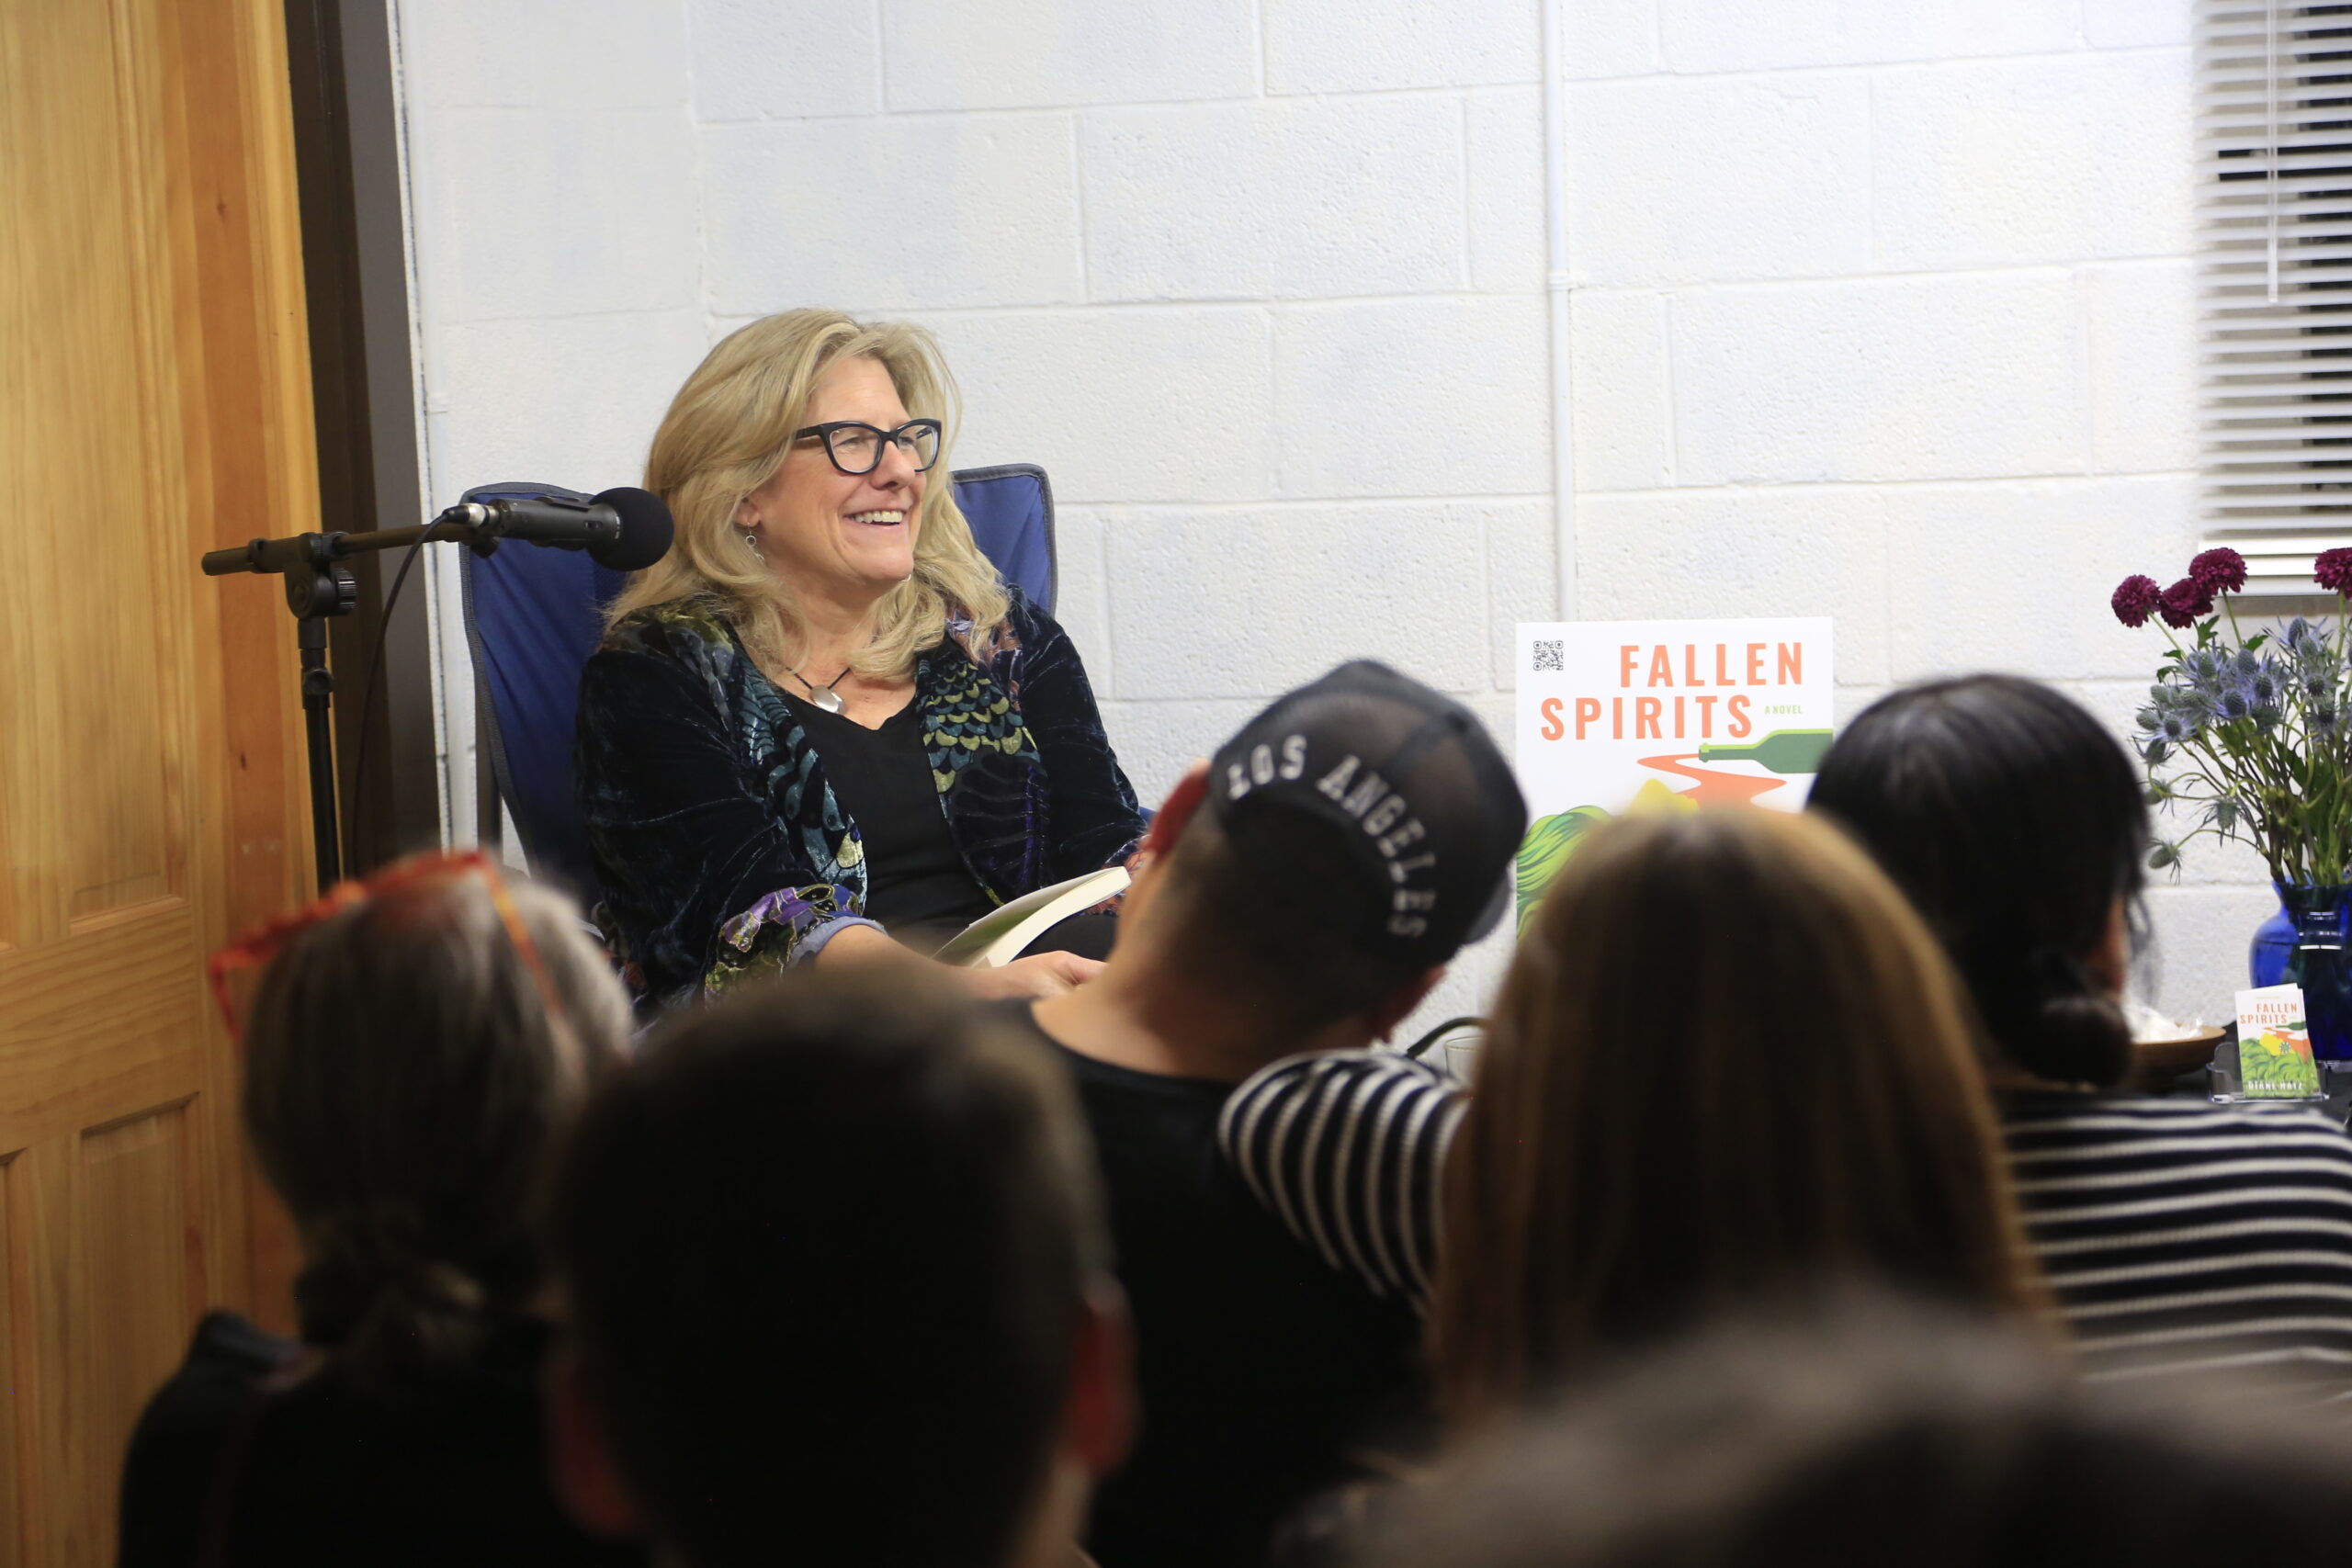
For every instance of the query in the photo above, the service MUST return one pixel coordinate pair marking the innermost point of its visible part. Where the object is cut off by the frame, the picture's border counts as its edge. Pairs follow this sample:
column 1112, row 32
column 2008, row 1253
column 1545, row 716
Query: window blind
column 2274, row 148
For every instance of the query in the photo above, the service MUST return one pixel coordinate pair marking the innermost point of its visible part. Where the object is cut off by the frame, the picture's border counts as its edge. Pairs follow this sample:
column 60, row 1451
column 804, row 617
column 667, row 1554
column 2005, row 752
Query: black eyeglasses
column 856, row 447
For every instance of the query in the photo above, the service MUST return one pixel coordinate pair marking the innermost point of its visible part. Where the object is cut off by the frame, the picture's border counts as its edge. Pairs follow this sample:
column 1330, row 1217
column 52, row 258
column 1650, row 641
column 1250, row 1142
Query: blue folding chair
column 533, row 616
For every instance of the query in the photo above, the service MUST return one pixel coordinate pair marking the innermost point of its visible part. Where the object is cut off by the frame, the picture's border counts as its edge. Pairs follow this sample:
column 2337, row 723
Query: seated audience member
column 411, row 1055
column 1881, row 1438
column 1728, row 1065
column 838, row 1283
column 2173, row 1231
column 1300, row 893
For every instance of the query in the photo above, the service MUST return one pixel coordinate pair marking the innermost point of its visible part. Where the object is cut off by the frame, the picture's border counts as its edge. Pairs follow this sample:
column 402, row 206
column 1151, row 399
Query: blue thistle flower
column 2234, row 702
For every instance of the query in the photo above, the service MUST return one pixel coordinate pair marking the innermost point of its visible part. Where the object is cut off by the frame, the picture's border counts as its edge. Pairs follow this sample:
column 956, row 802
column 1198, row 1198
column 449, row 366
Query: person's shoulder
column 228, row 1357
column 1110, row 1089
column 692, row 628
column 1023, row 628
column 191, row 1421
column 2054, row 1122
column 1024, row 616
column 227, row 1361
column 1344, row 1081
column 1367, row 1065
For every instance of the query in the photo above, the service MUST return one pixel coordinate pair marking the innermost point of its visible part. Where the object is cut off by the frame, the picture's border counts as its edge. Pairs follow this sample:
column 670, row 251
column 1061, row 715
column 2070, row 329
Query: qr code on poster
column 1547, row 657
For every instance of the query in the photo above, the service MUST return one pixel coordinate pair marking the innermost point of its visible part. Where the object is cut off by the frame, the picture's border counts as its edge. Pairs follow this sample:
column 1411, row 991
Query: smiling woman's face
column 847, row 536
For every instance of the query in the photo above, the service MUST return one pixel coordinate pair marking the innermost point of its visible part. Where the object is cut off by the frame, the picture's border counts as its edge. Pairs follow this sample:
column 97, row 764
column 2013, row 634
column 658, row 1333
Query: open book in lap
column 1006, row 932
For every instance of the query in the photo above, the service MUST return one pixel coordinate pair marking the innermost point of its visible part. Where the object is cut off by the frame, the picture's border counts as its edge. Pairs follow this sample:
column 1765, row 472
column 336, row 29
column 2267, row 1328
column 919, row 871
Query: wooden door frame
column 355, row 277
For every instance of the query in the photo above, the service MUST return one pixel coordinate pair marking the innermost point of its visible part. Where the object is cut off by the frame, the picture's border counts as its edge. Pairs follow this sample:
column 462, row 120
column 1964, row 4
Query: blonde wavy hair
column 727, row 433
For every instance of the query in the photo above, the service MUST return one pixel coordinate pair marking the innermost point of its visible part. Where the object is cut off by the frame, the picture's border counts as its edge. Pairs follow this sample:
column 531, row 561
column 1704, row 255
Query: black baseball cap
column 1406, row 778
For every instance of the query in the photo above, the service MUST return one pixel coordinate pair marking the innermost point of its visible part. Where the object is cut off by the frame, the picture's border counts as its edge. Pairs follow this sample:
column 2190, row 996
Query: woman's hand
column 1039, row 974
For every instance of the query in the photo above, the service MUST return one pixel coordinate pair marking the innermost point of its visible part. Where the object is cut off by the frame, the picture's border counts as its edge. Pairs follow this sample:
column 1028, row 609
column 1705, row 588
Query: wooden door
column 153, row 404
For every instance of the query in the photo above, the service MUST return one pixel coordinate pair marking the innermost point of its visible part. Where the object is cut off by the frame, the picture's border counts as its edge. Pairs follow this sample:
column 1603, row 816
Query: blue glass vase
column 2304, row 944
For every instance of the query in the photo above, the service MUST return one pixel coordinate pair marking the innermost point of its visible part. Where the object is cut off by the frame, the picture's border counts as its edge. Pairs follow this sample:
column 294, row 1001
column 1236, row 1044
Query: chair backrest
column 1011, row 509
column 534, row 616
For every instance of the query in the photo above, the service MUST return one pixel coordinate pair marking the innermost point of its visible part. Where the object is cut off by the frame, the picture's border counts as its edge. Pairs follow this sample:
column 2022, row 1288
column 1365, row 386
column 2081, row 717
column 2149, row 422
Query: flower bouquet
column 2250, row 737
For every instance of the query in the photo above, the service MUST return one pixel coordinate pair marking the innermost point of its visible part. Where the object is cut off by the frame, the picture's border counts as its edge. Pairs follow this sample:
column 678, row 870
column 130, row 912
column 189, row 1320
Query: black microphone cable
column 367, row 711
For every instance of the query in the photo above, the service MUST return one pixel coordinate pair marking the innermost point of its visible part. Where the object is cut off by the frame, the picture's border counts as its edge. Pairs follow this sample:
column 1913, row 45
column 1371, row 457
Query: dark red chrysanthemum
column 2136, row 598
column 2183, row 602
column 2218, row 571
column 2334, row 570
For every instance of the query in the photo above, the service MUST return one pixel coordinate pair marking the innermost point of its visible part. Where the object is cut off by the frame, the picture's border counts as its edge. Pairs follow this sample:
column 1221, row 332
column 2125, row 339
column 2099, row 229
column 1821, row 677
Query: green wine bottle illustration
column 1783, row 752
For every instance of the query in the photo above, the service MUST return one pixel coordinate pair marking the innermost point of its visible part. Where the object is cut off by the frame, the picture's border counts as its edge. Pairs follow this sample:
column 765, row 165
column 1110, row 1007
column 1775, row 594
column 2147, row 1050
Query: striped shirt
column 2176, row 1234
column 1346, row 1147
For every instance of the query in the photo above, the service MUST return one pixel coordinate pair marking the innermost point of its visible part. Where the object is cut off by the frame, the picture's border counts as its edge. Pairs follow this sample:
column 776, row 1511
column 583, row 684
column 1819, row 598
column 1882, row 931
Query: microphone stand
column 318, row 585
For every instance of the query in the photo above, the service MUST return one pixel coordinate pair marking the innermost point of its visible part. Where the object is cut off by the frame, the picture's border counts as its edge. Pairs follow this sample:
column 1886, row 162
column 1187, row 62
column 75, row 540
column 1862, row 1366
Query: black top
column 721, row 851
column 917, row 883
column 1263, row 1370
column 319, row 1472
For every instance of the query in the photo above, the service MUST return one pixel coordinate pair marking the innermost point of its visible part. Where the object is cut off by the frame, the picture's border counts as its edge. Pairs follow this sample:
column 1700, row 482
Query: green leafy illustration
column 1545, row 849
column 2271, row 1067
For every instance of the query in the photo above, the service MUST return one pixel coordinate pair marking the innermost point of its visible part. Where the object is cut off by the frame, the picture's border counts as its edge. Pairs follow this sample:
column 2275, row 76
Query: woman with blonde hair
column 821, row 723
column 1728, row 1065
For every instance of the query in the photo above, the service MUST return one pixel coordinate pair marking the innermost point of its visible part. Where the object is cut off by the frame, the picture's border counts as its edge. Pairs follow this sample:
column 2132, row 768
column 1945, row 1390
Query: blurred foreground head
column 2016, row 824
column 407, row 1074
column 1883, row 1434
column 837, row 1271
column 1728, row 1065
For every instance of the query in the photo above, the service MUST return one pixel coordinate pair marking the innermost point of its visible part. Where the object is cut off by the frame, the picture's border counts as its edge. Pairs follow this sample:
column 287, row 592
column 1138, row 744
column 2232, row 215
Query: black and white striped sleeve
column 1348, row 1148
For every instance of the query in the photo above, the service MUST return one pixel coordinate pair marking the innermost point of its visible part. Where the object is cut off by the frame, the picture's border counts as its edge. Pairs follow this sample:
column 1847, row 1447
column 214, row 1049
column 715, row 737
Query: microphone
column 623, row 528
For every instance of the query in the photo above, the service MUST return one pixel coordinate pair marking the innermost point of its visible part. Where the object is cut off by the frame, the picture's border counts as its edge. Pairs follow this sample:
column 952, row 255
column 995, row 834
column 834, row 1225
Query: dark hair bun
column 2063, row 1028
column 386, row 1312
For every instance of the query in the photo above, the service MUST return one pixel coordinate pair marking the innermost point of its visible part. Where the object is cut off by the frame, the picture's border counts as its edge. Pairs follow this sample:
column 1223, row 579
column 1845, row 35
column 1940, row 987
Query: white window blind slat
column 2274, row 171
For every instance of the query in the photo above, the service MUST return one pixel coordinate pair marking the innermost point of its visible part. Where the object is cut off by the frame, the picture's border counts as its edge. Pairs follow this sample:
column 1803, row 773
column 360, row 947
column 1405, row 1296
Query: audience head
column 837, row 1272
column 1335, row 853
column 1884, row 1436
column 410, row 1061
column 728, row 436
column 2016, row 826
column 1728, row 1064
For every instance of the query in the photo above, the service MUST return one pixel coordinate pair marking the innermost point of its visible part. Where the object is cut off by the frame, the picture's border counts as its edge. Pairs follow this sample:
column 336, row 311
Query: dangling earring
column 751, row 541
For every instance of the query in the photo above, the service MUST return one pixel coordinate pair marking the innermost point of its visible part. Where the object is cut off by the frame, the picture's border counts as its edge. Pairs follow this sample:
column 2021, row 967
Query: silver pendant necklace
column 824, row 696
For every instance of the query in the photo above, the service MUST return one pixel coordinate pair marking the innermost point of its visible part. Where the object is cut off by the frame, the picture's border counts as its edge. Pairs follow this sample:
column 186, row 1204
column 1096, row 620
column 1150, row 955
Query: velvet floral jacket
column 719, row 846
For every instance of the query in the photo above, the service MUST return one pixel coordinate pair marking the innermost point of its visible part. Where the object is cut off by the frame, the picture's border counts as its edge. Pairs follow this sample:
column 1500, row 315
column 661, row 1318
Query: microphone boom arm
column 463, row 524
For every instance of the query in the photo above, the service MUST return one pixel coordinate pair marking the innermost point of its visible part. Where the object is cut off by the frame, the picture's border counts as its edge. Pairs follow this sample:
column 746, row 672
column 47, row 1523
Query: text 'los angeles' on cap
column 1415, row 787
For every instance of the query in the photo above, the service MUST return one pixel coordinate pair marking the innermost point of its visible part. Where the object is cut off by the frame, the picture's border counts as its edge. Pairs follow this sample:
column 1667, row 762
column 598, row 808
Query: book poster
column 1618, row 715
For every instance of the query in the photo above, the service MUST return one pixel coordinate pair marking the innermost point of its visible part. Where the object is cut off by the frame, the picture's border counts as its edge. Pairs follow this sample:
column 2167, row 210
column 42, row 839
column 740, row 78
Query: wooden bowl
column 2155, row 1063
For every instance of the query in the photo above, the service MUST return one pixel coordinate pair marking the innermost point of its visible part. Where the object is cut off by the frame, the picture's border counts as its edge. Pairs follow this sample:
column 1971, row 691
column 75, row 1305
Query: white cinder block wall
column 1880, row 312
